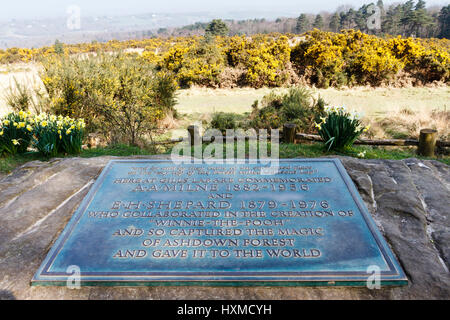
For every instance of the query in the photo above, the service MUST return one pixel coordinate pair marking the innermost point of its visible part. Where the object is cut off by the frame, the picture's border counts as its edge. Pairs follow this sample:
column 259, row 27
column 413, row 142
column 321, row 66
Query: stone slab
column 152, row 222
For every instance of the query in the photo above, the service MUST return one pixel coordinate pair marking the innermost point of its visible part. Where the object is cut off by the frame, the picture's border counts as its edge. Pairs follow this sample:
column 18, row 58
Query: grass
column 371, row 101
column 120, row 150
column 315, row 150
column 9, row 163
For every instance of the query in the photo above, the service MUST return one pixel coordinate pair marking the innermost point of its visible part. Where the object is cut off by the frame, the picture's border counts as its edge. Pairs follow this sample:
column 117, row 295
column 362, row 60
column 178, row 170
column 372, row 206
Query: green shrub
column 224, row 120
column 15, row 133
column 297, row 106
column 340, row 128
column 118, row 95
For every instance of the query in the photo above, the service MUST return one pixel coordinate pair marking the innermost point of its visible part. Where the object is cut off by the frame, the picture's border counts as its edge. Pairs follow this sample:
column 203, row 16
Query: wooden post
column 289, row 132
column 427, row 142
column 194, row 135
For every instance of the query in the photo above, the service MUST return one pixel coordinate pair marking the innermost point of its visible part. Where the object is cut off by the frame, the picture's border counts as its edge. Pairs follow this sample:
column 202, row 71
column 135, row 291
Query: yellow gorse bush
column 352, row 57
column 321, row 58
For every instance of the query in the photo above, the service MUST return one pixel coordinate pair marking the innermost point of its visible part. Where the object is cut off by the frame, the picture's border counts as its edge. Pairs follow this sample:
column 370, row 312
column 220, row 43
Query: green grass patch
column 120, row 150
column 315, row 150
column 9, row 163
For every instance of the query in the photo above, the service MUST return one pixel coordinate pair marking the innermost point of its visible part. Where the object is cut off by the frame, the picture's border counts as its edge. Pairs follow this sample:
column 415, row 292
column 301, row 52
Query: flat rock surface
column 409, row 201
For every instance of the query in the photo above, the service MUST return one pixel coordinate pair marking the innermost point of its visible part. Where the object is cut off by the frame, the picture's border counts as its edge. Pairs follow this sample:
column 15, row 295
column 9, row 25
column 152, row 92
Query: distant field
column 370, row 101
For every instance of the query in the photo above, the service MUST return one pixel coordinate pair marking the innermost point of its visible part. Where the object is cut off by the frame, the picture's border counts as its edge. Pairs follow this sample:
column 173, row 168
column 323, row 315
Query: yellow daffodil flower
column 318, row 126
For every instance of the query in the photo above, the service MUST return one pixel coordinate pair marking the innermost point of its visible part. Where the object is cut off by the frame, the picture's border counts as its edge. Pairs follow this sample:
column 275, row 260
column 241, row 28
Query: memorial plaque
column 154, row 222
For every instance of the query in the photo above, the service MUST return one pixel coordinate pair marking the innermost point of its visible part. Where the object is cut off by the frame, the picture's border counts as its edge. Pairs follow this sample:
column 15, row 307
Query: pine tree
column 318, row 22
column 335, row 23
column 58, row 47
column 348, row 19
column 416, row 17
column 444, row 22
column 392, row 22
column 216, row 28
column 360, row 18
column 302, row 24
column 408, row 17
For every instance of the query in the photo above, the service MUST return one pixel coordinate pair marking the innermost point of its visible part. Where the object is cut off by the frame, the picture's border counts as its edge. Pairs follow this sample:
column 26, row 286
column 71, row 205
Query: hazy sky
column 19, row 9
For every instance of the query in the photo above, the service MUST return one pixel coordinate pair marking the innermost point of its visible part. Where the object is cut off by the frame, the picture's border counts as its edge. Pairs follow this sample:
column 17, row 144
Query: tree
column 416, row 17
column 360, row 18
column 444, row 22
column 59, row 47
column 335, row 23
column 302, row 24
column 348, row 19
column 392, row 22
column 318, row 22
column 422, row 18
column 217, row 28
column 407, row 16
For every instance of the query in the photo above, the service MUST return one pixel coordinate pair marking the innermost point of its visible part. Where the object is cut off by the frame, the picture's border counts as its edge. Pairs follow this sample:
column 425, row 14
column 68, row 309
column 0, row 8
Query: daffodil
column 69, row 131
column 362, row 154
column 366, row 128
column 6, row 122
column 318, row 126
column 1, row 133
column 44, row 123
column 22, row 124
column 15, row 142
column 29, row 128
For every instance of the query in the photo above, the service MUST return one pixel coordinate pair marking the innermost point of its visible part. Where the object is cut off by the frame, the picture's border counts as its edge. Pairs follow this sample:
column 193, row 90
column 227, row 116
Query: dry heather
column 406, row 123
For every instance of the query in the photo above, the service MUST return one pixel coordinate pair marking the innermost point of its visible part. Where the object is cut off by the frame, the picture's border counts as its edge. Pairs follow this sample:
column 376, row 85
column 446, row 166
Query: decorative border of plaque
column 394, row 276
